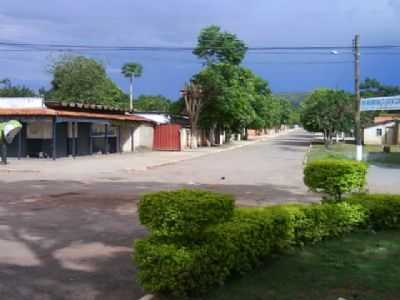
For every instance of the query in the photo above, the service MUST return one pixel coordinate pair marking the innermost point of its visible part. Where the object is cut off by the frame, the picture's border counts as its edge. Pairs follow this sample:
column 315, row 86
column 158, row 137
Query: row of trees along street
column 223, row 96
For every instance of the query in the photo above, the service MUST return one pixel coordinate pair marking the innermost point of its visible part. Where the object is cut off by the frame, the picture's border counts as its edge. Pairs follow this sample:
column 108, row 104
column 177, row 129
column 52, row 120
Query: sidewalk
column 89, row 168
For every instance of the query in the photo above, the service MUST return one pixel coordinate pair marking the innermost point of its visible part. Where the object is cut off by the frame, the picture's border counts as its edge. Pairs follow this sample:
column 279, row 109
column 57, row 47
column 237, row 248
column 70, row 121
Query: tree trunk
column 211, row 135
column 326, row 141
column 193, row 137
column 131, row 94
column 246, row 134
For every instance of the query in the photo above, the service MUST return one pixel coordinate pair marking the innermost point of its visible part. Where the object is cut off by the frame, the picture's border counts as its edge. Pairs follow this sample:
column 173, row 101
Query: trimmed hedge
column 335, row 177
column 184, row 213
column 172, row 265
column 383, row 210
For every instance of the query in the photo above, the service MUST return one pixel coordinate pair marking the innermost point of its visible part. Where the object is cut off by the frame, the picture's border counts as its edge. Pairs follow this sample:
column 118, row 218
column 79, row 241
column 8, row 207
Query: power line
column 46, row 46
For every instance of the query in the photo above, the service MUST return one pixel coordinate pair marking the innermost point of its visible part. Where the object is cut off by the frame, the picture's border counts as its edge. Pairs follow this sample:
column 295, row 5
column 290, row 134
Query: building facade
column 57, row 129
column 383, row 133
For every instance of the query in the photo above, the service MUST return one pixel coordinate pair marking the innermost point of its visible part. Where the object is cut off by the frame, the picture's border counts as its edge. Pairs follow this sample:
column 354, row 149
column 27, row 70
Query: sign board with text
column 380, row 103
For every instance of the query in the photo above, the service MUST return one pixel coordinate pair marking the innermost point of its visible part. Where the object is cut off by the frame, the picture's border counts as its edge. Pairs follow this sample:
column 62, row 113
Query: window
column 379, row 132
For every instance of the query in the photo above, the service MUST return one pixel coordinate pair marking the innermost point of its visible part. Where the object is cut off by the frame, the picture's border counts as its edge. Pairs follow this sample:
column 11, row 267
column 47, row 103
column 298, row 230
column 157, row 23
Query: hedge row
column 172, row 265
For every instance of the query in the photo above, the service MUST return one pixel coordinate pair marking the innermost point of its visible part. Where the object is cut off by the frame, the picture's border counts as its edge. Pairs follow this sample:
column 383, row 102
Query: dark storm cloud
column 177, row 23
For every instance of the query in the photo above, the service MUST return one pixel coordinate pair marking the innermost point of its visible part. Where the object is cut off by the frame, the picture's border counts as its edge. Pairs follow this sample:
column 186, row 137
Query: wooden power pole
column 357, row 117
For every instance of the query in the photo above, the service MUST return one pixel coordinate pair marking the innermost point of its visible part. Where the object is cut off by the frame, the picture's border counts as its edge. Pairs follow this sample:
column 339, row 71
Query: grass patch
column 361, row 266
column 372, row 154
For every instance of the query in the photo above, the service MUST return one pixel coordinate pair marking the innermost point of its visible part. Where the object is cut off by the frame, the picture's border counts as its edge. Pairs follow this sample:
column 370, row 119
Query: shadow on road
column 77, row 244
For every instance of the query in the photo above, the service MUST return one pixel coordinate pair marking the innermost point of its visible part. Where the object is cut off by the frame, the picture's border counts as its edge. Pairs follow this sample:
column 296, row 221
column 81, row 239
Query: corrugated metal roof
column 27, row 112
column 83, row 106
column 72, row 114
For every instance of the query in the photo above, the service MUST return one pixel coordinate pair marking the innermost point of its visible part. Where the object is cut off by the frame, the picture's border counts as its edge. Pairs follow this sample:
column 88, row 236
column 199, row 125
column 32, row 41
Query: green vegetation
column 194, row 246
column 361, row 266
column 7, row 89
column 294, row 98
column 215, row 46
column 335, row 177
column 153, row 103
column 184, row 213
column 383, row 210
column 372, row 154
column 328, row 111
column 81, row 79
column 233, row 98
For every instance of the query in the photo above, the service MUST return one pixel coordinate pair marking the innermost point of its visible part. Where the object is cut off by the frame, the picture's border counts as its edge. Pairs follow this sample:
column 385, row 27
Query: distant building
column 383, row 133
column 59, row 129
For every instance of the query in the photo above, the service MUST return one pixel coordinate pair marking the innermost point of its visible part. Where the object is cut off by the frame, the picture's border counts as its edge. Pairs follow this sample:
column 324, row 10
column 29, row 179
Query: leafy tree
column 7, row 89
column 328, row 111
column 294, row 98
column 177, row 107
column 227, row 101
column 233, row 97
column 153, row 103
column 81, row 79
column 289, row 114
column 215, row 46
column 131, row 70
column 373, row 88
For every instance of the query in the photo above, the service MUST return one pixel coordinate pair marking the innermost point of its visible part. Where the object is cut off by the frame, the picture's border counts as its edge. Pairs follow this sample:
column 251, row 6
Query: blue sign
column 380, row 103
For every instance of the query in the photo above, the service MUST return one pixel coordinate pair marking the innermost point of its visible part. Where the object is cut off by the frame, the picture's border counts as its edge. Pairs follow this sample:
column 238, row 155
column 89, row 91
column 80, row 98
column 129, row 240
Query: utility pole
column 357, row 117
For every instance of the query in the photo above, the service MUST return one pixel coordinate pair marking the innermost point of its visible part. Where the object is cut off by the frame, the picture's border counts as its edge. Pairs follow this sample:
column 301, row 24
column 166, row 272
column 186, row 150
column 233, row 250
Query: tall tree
column 82, row 79
column 328, row 111
column 132, row 70
column 153, row 103
column 215, row 46
column 192, row 95
column 7, row 89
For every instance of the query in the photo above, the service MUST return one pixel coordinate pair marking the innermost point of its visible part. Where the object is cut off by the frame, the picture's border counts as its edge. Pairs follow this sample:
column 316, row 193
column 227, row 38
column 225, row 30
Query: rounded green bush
column 184, row 213
column 335, row 177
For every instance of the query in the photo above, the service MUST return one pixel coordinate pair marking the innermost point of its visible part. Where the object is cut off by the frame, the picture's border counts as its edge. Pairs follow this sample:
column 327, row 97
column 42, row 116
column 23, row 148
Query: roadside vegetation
column 199, row 241
column 372, row 154
column 361, row 265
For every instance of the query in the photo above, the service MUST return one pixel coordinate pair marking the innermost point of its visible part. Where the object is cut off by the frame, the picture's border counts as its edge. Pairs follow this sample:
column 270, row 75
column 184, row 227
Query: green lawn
column 373, row 154
column 361, row 266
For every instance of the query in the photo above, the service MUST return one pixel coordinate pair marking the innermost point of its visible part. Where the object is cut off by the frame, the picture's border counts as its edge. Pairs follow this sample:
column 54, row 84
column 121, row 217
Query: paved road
column 384, row 179
column 70, row 239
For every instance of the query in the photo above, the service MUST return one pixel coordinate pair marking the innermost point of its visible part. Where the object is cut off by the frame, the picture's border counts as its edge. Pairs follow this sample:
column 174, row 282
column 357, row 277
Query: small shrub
column 184, row 213
column 335, row 177
column 383, row 210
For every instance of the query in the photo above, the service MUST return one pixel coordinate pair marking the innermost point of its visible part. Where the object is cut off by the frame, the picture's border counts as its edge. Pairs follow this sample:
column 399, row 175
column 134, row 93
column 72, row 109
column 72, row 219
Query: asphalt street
column 72, row 239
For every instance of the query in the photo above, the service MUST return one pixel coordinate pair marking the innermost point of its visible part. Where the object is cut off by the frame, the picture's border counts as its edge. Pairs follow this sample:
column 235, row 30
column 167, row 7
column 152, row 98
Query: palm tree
column 131, row 70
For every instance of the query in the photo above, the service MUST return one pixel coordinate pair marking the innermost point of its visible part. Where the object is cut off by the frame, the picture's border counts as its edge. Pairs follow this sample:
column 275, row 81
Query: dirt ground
column 72, row 239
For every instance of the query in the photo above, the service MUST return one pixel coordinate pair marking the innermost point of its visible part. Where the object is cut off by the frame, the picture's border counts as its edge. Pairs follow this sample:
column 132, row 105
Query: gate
column 167, row 137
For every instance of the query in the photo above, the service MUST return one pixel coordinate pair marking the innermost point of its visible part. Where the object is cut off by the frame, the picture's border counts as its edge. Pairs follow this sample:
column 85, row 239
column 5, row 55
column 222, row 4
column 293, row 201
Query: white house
column 384, row 133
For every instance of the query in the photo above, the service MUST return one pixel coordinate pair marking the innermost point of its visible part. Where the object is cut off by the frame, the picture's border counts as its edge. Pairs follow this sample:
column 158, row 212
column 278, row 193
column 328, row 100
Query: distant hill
column 295, row 98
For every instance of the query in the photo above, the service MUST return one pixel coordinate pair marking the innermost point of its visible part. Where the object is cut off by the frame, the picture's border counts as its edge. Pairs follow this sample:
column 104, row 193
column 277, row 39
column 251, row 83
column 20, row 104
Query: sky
column 259, row 23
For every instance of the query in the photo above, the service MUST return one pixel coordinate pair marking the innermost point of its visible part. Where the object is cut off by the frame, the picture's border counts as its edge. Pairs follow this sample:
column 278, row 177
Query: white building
column 384, row 133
